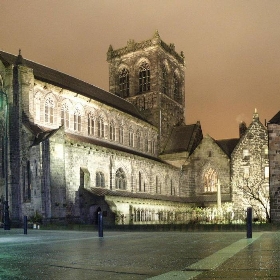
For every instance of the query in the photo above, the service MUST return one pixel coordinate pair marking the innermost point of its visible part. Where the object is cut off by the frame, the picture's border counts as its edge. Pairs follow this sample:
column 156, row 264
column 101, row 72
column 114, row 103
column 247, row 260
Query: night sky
column 232, row 48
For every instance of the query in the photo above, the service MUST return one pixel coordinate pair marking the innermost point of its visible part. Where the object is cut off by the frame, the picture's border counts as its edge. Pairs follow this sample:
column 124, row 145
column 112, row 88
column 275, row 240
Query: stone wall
column 249, row 174
column 274, row 166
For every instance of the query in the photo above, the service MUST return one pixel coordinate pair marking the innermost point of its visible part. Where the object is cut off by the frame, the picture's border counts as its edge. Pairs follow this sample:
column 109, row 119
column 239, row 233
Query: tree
column 255, row 193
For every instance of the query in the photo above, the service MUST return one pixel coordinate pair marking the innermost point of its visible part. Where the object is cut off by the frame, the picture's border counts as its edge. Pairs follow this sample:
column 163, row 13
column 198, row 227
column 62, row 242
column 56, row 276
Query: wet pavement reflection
column 47, row 254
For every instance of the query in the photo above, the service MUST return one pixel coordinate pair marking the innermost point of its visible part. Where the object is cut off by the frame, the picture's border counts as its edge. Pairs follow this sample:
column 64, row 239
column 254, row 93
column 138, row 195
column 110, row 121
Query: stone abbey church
column 75, row 149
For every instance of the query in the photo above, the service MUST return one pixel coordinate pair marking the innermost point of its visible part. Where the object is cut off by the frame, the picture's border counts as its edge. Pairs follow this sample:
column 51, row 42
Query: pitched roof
column 227, row 145
column 54, row 77
column 42, row 133
column 109, row 145
column 143, row 195
column 182, row 139
column 276, row 119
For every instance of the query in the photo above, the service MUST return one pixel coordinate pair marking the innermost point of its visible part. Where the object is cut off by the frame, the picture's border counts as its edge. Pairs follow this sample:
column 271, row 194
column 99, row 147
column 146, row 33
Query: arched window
column 144, row 77
column 130, row 138
column 124, row 83
column 65, row 115
column 146, row 149
column 120, row 179
column 49, row 110
column 112, row 131
column 121, row 134
column 138, row 140
column 90, row 125
column 77, row 120
column 140, row 182
column 164, row 80
column 100, row 179
column 176, row 93
column 210, row 180
column 100, row 127
column 153, row 146
column 158, row 186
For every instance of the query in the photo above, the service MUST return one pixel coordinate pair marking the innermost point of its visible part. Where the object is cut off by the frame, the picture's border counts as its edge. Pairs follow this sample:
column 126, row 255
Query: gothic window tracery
column 121, row 134
column 120, row 179
column 112, row 131
column 210, row 180
column 158, row 185
column 100, row 127
column 124, row 83
column 91, row 125
column 146, row 148
column 141, row 183
column 144, row 77
column 49, row 110
column 130, row 138
column 138, row 140
column 77, row 120
column 100, row 179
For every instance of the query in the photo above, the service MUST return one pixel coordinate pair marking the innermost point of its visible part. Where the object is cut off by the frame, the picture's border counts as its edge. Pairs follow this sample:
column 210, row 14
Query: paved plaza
column 49, row 254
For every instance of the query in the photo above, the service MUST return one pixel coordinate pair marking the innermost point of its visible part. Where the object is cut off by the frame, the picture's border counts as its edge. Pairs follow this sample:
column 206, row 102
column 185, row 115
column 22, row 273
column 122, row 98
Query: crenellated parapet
column 133, row 46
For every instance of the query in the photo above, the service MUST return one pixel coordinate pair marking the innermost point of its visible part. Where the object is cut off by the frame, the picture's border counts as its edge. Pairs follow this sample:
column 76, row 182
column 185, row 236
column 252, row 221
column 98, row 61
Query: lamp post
column 3, row 96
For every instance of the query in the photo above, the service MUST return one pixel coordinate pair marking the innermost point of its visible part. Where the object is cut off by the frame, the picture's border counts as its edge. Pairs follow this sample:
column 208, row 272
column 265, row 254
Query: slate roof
column 228, row 145
column 65, row 81
column 110, row 145
column 180, row 139
column 142, row 195
column 40, row 133
column 276, row 119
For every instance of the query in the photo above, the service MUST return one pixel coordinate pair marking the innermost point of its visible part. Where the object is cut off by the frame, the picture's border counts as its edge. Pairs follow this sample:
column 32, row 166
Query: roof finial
column 19, row 60
column 156, row 38
column 255, row 115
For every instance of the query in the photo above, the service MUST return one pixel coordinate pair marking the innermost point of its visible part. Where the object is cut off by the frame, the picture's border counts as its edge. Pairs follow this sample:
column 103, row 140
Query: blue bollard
column 25, row 224
column 249, row 222
column 100, row 224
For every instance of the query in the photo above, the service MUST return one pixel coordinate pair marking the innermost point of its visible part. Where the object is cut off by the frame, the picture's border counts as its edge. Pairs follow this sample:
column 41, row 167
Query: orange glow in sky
column 231, row 48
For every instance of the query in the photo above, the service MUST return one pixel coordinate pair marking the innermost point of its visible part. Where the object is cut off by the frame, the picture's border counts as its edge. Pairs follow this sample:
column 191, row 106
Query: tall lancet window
column 124, row 83
column 49, row 110
column 100, row 127
column 210, row 180
column 77, row 120
column 144, row 77
column 65, row 116
column 120, row 179
column 90, row 125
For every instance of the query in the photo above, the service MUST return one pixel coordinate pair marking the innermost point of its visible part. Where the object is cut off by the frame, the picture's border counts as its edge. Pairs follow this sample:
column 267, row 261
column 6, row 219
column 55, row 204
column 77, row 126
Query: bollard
column 249, row 222
column 100, row 224
column 25, row 224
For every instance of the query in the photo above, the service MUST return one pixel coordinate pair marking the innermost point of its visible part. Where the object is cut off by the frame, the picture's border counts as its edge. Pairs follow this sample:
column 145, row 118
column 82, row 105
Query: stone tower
column 151, row 75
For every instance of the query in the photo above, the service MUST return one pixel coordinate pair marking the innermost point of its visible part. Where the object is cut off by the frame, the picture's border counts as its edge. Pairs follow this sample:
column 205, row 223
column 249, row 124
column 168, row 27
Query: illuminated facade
column 76, row 149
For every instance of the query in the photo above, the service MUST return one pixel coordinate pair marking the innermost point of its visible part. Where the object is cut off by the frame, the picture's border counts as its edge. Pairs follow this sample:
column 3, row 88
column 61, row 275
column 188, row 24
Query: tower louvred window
column 124, row 83
column 144, row 77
